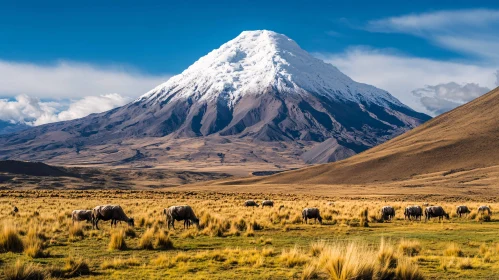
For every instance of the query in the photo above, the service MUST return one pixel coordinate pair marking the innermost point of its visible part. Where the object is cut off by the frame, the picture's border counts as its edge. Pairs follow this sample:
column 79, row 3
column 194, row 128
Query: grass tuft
column 10, row 240
column 410, row 248
column 408, row 270
column 465, row 264
column 21, row 270
column 117, row 240
column 163, row 241
column 146, row 242
column 76, row 232
column 310, row 271
column 453, row 250
column 293, row 257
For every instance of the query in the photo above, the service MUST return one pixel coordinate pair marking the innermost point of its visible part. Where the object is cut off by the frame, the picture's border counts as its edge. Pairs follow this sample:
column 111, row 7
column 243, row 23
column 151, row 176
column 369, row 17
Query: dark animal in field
column 435, row 211
column 81, row 215
column 482, row 209
column 387, row 213
column 311, row 213
column 250, row 203
column 268, row 203
column 110, row 212
column 462, row 210
column 14, row 211
column 180, row 213
column 413, row 212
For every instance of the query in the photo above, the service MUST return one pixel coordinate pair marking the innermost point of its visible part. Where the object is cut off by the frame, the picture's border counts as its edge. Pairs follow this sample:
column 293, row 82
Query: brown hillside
column 465, row 138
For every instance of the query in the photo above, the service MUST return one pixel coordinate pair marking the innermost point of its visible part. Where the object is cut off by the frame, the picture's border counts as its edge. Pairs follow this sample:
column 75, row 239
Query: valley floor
column 238, row 242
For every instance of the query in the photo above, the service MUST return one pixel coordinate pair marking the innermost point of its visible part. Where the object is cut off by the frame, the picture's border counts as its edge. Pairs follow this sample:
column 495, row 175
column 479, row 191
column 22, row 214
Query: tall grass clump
column 130, row 232
column 76, row 232
column 34, row 245
column 465, row 264
column 356, row 261
column 408, row 270
column 21, row 270
column 293, row 257
column 310, row 271
column 410, row 248
column 10, row 240
column 163, row 241
column 317, row 247
column 147, row 240
column 72, row 268
column 453, row 250
column 350, row 261
column 117, row 240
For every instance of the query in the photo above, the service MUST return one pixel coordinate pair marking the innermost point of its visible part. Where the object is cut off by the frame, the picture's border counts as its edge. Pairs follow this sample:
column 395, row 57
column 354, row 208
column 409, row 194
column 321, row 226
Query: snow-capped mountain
column 257, row 60
column 260, row 87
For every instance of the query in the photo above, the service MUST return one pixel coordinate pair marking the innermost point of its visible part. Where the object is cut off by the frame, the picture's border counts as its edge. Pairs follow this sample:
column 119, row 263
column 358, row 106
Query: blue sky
column 433, row 56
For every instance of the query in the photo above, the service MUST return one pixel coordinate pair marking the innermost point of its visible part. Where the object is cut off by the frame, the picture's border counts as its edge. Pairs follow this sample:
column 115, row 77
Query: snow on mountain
column 256, row 90
column 255, row 60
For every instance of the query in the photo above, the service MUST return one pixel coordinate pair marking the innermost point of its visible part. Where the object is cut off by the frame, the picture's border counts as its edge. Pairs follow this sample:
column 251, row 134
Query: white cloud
column 441, row 98
column 399, row 74
column 32, row 111
column 72, row 80
column 472, row 31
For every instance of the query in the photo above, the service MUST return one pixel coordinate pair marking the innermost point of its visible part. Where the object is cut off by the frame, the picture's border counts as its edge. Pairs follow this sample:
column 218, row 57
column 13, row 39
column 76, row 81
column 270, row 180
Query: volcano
column 259, row 98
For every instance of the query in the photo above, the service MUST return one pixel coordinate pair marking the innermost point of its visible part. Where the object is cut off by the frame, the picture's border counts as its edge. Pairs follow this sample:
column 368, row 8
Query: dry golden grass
column 238, row 242
column 453, row 250
column 410, row 247
column 10, row 240
column 117, row 241
column 21, row 270
column 293, row 257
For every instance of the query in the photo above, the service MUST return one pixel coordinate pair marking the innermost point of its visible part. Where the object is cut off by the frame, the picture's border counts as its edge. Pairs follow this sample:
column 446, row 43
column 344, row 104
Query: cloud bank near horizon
column 39, row 94
column 403, row 75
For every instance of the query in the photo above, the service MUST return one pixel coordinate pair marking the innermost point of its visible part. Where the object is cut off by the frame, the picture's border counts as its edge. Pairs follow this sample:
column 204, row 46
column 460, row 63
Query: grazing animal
column 413, row 212
column 110, row 212
column 387, row 213
column 81, row 215
column 268, row 203
column 311, row 213
column 435, row 211
column 462, row 210
column 180, row 213
column 482, row 209
column 250, row 203
column 15, row 210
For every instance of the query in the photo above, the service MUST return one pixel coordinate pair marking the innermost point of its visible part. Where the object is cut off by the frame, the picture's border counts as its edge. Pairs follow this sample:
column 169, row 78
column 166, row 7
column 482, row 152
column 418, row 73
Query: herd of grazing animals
column 185, row 213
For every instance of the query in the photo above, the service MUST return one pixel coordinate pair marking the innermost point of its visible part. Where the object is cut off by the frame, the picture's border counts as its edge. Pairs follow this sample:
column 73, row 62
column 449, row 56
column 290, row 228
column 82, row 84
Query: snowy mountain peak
column 238, row 100
column 256, row 61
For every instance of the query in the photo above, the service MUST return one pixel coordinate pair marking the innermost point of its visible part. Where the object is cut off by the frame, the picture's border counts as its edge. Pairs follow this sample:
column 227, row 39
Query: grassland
column 238, row 242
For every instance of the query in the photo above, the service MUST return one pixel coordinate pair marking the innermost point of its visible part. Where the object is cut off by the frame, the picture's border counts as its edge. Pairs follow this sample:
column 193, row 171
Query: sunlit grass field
column 234, row 241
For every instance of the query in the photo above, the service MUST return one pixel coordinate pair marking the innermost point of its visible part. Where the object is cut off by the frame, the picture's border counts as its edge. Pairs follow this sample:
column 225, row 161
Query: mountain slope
column 259, row 88
column 461, row 140
column 7, row 127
